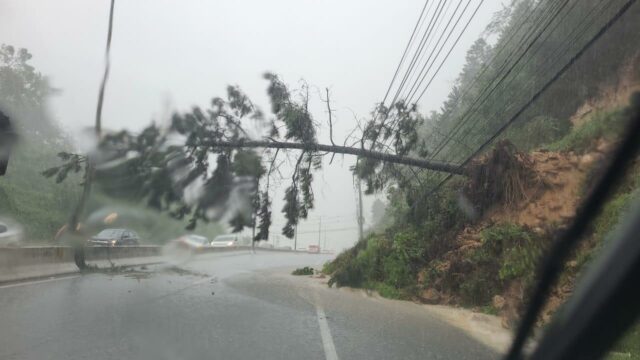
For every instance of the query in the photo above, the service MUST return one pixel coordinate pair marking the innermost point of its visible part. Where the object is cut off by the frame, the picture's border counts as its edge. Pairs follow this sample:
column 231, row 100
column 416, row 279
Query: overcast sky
column 169, row 55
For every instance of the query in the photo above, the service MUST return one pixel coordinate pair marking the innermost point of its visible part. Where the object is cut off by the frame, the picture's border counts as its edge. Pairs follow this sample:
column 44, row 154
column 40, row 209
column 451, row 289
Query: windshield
column 314, row 179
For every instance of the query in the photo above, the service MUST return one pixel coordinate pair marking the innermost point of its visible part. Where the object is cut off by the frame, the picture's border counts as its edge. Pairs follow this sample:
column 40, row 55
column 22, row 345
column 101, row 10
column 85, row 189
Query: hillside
column 488, row 261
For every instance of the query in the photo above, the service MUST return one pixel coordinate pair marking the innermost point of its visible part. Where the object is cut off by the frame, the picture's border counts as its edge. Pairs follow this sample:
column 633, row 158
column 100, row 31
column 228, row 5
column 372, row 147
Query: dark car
column 115, row 237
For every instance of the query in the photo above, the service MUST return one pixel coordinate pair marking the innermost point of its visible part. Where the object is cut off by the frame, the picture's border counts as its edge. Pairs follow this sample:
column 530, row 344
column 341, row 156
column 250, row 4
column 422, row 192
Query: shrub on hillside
column 537, row 131
column 602, row 124
column 508, row 252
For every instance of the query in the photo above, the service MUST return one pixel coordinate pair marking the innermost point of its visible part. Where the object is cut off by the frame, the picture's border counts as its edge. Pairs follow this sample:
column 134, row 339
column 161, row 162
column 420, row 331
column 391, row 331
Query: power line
column 436, row 15
column 494, row 57
column 330, row 230
column 492, row 84
column 413, row 91
column 517, row 62
column 406, row 49
column 421, row 45
column 428, row 45
column 468, row 114
column 553, row 79
column 579, row 31
column 429, row 63
column 558, row 55
column 418, row 81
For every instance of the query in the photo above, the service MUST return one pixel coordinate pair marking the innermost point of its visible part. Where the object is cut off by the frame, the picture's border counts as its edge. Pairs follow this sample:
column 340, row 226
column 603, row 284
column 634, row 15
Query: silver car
column 229, row 240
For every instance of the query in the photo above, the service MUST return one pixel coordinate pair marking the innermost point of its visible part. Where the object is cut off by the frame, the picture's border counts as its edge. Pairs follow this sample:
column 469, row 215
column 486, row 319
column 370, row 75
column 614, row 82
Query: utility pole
column 319, row 231
column 295, row 238
column 254, row 217
column 324, row 246
column 359, row 212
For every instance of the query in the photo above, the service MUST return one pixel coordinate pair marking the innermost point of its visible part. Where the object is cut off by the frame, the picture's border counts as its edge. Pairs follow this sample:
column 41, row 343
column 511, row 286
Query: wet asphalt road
column 218, row 306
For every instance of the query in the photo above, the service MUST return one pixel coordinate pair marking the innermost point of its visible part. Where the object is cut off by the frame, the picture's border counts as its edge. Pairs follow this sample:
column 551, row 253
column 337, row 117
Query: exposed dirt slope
column 612, row 96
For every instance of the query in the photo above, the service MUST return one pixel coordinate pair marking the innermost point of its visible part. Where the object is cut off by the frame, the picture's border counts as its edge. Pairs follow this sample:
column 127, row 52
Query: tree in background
column 378, row 210
column 24, row 195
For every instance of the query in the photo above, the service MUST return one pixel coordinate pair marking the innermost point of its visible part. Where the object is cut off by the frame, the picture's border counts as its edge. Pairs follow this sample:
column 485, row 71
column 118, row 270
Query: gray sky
column 171, row 55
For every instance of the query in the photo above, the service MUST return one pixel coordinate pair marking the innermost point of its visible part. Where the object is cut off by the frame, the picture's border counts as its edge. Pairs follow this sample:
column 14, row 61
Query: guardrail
column 33, row 255
column 20, row 263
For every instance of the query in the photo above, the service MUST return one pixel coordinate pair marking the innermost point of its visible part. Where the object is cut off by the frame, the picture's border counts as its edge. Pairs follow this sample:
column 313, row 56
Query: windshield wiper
column 7, row 139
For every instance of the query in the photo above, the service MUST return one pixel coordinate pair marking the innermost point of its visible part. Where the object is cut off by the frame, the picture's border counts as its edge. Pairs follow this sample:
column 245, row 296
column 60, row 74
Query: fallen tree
column 160, row 164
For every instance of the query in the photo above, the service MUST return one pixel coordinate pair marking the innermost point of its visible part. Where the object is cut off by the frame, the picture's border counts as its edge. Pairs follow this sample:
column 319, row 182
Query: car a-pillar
column 7, row 140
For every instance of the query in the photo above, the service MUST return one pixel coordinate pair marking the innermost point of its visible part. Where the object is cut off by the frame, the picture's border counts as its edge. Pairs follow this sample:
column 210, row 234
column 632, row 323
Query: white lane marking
column 325, row 333
column 38, row 281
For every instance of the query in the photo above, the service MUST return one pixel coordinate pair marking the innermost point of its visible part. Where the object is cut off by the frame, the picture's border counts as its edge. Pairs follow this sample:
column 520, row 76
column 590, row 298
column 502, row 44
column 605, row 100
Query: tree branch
column 328, row 101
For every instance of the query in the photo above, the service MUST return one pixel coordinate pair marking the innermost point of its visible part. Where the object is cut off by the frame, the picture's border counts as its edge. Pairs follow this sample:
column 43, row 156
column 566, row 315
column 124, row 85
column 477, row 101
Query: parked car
column 313, row 249
column 115, row 237
column 229, row 240
column 192, row 242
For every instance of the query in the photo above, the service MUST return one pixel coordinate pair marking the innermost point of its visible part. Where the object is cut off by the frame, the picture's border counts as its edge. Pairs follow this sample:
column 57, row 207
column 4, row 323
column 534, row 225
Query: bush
column 328, row 268
column 344, row 270
column 508, row 252
column 387, row 291
column 478, row 287
column 371, row 258
column 397, row 270
column 516, row 249
column 303, row 271
column 377, row 260
column 538, row 131
column 602, row 124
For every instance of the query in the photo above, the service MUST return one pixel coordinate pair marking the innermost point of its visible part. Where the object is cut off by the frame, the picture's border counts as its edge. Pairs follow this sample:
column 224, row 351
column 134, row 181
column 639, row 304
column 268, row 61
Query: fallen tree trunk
column 376, row 155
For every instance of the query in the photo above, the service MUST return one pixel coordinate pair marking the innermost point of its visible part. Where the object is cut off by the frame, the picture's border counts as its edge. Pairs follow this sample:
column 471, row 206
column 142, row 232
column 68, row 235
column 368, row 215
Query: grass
column 385, row 290
column 489, row 310
column 628, row 347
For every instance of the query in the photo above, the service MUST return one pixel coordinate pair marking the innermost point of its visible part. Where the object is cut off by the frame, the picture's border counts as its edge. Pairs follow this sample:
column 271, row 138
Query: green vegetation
column 628, row 347
column 508, row 252
column 390, row 262
column 303, row 271
column 605, row 125
column 489, row 310
column 42, row 206
column 385, row 290
column 538, row 131
column 39, row 205
column 416, row 249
